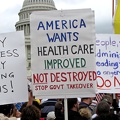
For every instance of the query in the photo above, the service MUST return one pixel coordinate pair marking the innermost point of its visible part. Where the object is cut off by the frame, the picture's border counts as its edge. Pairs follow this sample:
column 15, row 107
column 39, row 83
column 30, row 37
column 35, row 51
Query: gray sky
column 9, row 10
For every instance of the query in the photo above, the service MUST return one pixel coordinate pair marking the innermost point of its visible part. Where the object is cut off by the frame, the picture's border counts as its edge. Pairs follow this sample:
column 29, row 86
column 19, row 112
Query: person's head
column 7, row 109
column 59, row 110
column 108, row 99
column 51, row 116
column 87, row 100
column 30, row 113
column 102, row 108
column 59, row 106
column 73, row 104
column 85, row 112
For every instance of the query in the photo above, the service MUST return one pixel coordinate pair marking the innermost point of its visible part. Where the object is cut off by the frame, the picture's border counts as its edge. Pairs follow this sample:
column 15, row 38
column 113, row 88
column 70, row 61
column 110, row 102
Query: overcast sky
column 9, row 10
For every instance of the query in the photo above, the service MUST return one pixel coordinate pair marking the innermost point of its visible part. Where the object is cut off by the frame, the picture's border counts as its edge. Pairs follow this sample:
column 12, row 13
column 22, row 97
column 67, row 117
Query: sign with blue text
column 13, row 79
column 63, row 53
column 108, row 63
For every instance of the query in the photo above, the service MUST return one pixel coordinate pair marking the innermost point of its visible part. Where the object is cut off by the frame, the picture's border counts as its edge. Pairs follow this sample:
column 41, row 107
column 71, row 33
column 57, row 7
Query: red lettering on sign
column 73, row 76
column 116, row 81
column 40, row 78
column 79, row 86
column 41, row 87
column 103, row 83
column 53, row 87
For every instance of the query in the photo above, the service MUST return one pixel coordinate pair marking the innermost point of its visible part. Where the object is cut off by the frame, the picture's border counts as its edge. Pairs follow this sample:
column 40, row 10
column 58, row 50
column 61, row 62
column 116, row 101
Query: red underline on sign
column 103, row 89
column 39, row 83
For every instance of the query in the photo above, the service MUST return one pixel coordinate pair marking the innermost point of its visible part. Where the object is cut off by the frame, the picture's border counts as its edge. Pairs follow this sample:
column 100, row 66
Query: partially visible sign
column 108, row 63
column 13, row 80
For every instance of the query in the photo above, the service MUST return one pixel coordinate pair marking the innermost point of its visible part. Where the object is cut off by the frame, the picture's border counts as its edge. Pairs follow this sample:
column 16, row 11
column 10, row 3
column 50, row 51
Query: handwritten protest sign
column 13, row 80
column 108, row 63
column 63, row 53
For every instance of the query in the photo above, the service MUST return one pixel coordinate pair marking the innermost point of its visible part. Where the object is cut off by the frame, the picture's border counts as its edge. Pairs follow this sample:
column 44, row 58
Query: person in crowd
column 51, row 116
column 30, row 112
column 9, row 112
column 59, row 110
column 103, row 108
column 108, row 98
column 109, row 116
column 85, row 103
column 85, row 113
column 73, row 107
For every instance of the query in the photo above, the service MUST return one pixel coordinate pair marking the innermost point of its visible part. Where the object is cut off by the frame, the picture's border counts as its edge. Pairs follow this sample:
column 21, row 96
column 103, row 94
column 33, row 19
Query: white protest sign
column 108, row 63
column 13, row 79
column 63, row 53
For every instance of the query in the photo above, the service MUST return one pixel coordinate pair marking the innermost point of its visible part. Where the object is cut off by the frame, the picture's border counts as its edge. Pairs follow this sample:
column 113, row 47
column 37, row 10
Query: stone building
column 24, row 23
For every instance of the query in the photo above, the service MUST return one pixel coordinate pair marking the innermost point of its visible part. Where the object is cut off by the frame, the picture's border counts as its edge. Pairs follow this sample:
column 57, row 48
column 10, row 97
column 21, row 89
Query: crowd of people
column 53, row 109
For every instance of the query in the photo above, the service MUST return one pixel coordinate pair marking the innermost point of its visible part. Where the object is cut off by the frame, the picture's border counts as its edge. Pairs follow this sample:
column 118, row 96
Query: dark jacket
column 73, row 115
column 59, row 115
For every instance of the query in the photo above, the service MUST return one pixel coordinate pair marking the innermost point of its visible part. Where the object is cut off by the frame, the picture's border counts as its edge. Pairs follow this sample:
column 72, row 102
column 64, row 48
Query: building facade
column 24, row 23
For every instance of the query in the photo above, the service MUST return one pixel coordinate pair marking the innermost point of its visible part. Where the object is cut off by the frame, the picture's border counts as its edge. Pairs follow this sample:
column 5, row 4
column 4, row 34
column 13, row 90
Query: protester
column 103, row 108
column 85, row 103
column 108, row 98
column 8, row 112
column 73, row 107
column 59, row 110
column 85, row 113
column 31, row 112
